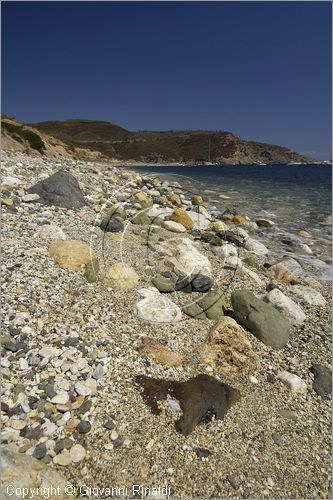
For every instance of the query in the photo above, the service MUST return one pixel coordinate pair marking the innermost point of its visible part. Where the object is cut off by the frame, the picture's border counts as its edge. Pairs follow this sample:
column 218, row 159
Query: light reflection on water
column 294, row 197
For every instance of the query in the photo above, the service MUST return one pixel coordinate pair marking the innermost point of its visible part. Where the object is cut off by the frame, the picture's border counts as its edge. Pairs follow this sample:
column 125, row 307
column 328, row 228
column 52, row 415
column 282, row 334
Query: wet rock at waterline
column 201, row 398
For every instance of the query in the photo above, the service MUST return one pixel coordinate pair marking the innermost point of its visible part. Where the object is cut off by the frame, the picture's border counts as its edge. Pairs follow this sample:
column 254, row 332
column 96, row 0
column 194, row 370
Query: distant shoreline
column 134, row 164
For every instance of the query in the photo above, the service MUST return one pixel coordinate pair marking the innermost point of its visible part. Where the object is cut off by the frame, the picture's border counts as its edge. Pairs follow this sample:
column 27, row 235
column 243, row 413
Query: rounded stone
column 201, row 283
column 39, row 451
column 84, row 426
column 77, row 453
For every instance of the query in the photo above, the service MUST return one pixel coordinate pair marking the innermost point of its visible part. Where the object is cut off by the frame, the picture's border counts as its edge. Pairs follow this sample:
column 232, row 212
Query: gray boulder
column 265, row 322
column 322, row 380
column 60, row 189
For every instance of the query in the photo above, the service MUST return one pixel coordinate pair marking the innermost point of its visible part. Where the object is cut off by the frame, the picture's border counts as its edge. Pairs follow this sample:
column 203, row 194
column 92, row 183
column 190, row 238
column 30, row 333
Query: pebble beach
column 123, row 275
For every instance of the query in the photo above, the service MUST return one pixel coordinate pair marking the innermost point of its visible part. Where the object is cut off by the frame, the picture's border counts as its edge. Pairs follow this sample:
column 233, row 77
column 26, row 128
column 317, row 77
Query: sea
column 294, row 197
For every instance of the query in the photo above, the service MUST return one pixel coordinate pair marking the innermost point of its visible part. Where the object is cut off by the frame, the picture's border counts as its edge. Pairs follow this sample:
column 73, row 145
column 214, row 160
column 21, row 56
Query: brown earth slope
column 169, row 146
column 18, row 137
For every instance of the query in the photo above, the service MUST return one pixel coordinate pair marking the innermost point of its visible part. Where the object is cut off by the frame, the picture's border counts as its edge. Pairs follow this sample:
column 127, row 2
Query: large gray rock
column 322, row 380
column 262, row 319
column 21, row 472
column 60, row 189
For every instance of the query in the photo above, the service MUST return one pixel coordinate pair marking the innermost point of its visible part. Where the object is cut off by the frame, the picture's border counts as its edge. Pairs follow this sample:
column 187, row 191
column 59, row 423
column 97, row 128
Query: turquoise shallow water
column 292, row 196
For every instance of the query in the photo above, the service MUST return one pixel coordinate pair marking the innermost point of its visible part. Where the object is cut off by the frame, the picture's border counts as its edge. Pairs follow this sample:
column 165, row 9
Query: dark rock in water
column 111, row 225
column 262, row 319
column 264, row 223
column 201, row 283
column 322, row 380
column 202, row 452
column 39, row 451
column 200, row 398
column 60, row 189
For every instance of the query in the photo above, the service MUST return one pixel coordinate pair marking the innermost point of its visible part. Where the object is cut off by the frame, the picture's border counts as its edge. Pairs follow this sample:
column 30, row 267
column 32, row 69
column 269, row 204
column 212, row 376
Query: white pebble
column 293, row 382
column 77, row 453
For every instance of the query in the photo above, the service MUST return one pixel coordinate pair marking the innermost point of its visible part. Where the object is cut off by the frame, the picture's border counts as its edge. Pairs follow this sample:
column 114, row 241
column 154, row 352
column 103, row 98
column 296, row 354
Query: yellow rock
column 72, row 254
column 174, row 199
column 228, row 217
column 219, row 225
column 303, row 234
column 141, row 197
column 97, row 208
column 160, row 353
column 7, row 201
column 180, row 216
column 239, row 219
column 280, row 272
column 197, row 199
column 121, row 276
column 229, row 350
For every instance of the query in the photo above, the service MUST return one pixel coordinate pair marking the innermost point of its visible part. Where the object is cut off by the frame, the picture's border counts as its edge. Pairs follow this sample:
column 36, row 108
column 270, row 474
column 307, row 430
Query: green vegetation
column 20, row 133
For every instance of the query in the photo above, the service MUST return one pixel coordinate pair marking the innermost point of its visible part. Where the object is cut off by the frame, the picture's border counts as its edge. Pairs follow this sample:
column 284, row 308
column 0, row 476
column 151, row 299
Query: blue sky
column 259, row 69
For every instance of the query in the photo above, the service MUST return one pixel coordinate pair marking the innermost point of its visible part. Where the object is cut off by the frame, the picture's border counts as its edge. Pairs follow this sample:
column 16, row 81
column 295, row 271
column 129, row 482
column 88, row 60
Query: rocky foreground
column 149, row 340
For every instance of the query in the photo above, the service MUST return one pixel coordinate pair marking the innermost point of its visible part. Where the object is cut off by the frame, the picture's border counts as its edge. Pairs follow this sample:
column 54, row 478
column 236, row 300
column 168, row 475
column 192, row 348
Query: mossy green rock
column 261, row 318
column 141, row 218
column 163, row 284
column 211, row 238
column 194, row 311
column 115, row 211
column 91, row 271
column 212, row 304
column 158, row 221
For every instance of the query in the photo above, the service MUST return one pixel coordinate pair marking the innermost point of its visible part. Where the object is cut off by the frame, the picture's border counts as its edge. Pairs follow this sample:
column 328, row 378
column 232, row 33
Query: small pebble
column 84, row 427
